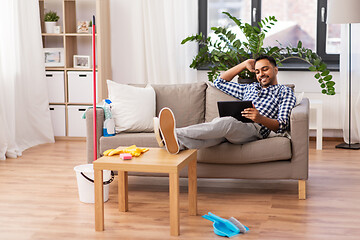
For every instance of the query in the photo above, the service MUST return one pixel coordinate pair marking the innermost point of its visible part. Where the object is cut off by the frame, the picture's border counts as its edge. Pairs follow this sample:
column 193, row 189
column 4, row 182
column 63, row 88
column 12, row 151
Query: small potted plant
column 228, row 50
column 90, row 26
column 50, row 19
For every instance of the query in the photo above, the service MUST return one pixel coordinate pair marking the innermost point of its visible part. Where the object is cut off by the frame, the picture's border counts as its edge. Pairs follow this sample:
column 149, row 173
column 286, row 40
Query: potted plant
column 90, row 26
column 50, row 19
column 228, row 51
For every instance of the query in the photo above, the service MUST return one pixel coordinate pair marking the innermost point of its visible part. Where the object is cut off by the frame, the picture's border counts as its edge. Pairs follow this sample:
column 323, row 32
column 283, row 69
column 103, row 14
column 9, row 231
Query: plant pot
column 246, row 81
column 49, row 27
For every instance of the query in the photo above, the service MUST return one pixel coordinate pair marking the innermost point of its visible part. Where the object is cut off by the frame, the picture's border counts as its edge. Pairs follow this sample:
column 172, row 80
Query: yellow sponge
column 133, row 150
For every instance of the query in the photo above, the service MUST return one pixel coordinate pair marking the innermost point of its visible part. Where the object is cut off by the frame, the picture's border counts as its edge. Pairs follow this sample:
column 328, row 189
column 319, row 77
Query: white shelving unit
column 71, row 88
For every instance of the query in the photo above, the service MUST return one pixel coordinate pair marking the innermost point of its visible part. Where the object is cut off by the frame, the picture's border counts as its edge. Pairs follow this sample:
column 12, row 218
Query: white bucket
column 86, row 187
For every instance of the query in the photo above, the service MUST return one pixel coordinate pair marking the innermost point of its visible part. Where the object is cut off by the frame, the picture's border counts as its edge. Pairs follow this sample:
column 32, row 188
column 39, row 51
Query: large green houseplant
column 228, row 51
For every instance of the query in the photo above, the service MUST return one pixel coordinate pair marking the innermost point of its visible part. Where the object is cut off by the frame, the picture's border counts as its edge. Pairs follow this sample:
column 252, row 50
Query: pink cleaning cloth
column 125, row 156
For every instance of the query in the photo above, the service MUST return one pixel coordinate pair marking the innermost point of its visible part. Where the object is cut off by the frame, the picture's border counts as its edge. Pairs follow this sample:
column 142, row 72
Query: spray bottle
column 109, row 123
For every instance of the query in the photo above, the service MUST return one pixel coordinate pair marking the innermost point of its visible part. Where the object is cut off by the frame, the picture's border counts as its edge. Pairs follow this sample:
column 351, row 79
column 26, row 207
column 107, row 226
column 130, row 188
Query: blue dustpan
column 222, row 227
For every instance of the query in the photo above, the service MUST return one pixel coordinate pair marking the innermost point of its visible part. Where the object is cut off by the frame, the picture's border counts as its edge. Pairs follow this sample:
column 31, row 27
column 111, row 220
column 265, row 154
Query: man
column 272, row 105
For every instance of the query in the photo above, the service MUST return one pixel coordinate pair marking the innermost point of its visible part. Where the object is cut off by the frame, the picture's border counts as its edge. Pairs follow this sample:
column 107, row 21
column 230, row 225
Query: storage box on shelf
column 56, row 86
column 80, row 87
column 57, row 113
column 76, row 124
column 68, row 86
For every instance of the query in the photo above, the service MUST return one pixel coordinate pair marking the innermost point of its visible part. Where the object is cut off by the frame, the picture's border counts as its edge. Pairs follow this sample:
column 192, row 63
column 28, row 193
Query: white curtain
column 355, row 81
column 24, row 114
column 146, row 40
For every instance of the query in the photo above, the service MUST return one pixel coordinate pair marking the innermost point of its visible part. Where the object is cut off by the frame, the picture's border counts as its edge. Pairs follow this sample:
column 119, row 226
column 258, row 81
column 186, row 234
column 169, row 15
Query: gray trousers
column 217, row 131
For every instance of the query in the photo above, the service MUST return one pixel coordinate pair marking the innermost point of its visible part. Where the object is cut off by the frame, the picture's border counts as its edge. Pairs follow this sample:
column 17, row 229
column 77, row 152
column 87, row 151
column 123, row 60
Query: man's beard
column 264, row 84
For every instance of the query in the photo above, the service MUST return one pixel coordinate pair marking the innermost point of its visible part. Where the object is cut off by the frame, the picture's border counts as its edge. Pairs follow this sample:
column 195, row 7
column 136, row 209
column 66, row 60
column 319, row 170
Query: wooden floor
column 39, row 200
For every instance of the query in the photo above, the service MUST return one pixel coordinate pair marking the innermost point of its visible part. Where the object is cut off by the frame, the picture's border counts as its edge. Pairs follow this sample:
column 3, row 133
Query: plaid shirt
column 275, row 101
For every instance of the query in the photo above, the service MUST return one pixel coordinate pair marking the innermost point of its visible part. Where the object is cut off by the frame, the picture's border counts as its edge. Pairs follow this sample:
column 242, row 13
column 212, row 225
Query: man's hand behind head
column 250, row 65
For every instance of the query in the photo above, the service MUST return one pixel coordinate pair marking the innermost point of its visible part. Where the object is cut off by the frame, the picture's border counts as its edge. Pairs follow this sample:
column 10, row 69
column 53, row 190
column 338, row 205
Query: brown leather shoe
column 167, row 129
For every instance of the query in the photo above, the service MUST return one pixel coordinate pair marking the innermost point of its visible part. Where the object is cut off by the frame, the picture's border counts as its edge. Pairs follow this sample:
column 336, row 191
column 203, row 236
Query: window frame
column 332, row 60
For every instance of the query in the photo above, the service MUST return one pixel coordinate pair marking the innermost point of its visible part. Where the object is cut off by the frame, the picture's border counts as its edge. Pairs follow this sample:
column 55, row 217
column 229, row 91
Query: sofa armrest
column 299, row 128
column 89, row 131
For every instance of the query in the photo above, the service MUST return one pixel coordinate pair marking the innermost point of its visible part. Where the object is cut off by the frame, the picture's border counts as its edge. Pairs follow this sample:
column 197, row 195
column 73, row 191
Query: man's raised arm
column 229, row 74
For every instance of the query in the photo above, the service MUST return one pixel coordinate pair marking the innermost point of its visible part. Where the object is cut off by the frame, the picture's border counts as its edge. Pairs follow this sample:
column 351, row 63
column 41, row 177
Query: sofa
column 271, row 158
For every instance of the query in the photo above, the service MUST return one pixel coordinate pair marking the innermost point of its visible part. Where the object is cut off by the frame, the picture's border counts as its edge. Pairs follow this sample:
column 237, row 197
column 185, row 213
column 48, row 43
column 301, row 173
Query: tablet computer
column 234, row 109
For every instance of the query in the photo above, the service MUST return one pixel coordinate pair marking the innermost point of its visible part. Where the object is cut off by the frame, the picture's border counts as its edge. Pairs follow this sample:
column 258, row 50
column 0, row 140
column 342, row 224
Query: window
column 297, row 20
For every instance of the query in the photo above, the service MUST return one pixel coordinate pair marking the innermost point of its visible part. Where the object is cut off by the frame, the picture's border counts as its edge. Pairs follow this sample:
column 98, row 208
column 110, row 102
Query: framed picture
column 54, row 57
column 81, row 61
column 83, row 26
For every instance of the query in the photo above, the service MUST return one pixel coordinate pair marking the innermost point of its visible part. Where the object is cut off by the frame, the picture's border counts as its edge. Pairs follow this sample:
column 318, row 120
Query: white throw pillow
column 132, row 108
column 299, row 97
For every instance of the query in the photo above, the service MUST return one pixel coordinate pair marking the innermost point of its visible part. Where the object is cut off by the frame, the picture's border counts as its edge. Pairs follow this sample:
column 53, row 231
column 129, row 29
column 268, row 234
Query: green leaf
column 322, row 67
column 235, row 20
column 328, row 78
column 237, row 43
column 323, row 91
column 323, row 85
column 324, row 73
column 312, row 68
column 330, row 84
column 299, row 44
column 317, row 61
column 191, row 38
column 317, row 76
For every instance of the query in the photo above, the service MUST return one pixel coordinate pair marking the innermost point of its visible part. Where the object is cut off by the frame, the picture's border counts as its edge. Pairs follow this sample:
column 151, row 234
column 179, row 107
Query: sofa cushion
column 187, row 101
column 265, row 150
column 128, row 139
column 272, row 149
column 213, row 95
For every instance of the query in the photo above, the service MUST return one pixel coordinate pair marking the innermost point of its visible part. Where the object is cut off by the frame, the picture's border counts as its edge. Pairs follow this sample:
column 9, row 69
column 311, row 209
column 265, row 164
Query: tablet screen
column 234, row 109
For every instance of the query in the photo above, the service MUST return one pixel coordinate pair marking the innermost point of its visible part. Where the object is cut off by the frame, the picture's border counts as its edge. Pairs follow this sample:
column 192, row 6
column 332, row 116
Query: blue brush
column 242, row 228
column 222, row 227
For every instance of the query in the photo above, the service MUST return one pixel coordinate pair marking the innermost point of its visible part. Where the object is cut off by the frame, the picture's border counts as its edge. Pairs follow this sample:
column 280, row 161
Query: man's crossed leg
column 202, row 135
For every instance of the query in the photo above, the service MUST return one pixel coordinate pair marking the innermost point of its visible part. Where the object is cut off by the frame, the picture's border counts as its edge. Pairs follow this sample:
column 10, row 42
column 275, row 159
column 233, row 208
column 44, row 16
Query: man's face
column 266, row 73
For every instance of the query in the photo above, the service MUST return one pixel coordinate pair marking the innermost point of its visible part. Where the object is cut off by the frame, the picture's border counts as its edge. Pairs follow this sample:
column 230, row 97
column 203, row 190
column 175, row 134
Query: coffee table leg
column 192, row 178
column 123, row 191
column 99, row 200
column 174, row 204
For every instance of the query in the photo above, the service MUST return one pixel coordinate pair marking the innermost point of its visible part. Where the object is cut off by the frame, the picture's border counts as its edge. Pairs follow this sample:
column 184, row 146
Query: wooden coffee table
column 156, row 160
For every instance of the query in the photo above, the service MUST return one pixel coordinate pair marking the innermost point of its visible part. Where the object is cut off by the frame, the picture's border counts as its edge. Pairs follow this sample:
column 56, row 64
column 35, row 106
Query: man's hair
column 270, row 59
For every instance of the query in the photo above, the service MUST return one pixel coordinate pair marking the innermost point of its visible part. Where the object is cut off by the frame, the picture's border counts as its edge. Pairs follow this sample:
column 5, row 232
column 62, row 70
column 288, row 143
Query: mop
column 94, row 90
